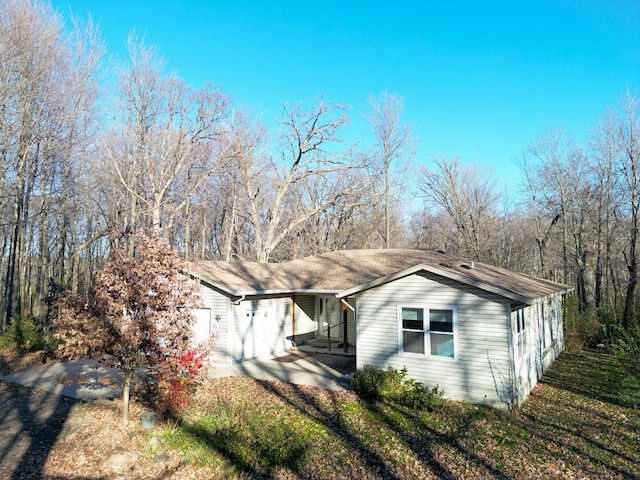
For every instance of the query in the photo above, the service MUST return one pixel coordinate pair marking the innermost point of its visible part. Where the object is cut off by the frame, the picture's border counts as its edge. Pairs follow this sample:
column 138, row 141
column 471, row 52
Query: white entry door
column 202, row 327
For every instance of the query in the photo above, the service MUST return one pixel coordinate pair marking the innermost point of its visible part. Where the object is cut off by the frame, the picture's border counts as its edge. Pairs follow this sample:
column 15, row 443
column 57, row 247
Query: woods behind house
column 91, row 150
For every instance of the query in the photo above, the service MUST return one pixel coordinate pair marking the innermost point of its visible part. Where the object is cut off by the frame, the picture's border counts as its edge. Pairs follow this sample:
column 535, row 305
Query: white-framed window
column 521, row 332
column 426, row 330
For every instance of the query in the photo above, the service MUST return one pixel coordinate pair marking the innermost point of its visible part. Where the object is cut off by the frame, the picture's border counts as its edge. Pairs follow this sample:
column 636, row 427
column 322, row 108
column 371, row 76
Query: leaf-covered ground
column 582, row 421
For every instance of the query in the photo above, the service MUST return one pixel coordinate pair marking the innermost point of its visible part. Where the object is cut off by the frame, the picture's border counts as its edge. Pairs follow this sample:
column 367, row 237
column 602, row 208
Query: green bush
column 25, row 335
column 374, row 384
column 5, row 340
column 418, row 396
column 583, row 328
column 625, row 345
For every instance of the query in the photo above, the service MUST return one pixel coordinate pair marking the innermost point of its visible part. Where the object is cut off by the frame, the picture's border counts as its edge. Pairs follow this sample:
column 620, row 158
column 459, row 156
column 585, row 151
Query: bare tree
column 310, row 159
column 47, row 98
column 551, row 169
column 469, row 198
column 165, row 142
column 394, row 143
column 627, row 131
column 607, row 210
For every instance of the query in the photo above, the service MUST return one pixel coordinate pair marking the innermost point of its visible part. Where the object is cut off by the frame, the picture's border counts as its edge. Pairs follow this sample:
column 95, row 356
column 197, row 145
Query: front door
column 202, row 327
column 329, row 313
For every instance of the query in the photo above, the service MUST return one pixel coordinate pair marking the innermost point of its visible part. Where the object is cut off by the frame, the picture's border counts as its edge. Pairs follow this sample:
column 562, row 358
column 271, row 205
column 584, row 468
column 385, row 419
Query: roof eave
column 314, row 291
column 265, row 292
column 481, row 285
column 215, row 285
column 443, row 273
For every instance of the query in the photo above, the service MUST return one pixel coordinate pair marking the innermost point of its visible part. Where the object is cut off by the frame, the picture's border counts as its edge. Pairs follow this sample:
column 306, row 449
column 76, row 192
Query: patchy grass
column 582, row 421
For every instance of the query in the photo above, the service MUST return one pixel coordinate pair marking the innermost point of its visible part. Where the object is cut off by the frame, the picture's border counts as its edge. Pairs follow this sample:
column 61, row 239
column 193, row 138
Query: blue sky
column 480, row 79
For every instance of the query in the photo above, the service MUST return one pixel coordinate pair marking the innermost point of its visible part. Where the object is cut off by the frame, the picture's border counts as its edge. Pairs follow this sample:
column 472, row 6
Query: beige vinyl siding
column 481, row 368
column 351, row 323
column 545, row 341
column 260, row 327
column 305, row 314
column 220, row 306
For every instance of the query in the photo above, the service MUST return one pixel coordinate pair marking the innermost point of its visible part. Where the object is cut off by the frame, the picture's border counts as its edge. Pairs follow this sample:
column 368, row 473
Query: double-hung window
column 521, row 331
column 427, row 331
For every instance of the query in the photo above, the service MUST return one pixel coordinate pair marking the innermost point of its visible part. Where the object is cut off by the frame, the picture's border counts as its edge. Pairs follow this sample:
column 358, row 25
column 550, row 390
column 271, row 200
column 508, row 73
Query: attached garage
column 259, row 328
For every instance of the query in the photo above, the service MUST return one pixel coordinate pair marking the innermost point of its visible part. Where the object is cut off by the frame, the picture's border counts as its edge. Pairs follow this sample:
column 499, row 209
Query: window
column 521, row 331
column 441, row 326
column 427, row 330
column 413, row 330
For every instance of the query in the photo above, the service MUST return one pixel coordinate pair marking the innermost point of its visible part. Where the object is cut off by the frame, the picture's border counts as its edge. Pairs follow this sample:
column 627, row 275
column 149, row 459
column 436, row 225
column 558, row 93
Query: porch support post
column 345, row 316
column 345, row 337
column 293, row 319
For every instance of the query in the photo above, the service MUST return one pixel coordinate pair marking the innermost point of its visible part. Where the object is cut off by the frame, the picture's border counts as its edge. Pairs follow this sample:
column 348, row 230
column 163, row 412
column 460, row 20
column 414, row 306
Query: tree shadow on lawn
column 552, row 427
column 292, row 445
column 306, row 404
column 531, row 442
column 595, row 375
column 252, row 449
column 555, row 433
column 581, row 451
column 423, row 439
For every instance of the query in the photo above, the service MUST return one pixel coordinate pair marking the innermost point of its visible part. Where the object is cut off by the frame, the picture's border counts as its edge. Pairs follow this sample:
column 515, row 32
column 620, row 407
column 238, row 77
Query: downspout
column 240, row 300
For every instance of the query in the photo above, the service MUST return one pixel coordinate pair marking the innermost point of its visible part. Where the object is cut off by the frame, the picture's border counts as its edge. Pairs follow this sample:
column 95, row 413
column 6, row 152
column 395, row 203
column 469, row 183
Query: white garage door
column 261, row 337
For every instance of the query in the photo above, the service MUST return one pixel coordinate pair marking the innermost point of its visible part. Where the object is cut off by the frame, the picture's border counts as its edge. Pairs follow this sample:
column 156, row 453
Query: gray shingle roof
column 354, row 270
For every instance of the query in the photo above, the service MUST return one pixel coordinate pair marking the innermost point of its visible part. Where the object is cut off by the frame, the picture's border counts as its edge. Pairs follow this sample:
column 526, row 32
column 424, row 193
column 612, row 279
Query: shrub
column 583, row 328
column 418, row 396
column 374, row 384
column 175, row 392
column 25, row 335
column 625, row 345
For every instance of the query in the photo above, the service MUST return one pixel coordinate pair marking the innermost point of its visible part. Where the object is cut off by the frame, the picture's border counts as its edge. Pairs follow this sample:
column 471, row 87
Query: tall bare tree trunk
column 394, row 142
column 126, row 394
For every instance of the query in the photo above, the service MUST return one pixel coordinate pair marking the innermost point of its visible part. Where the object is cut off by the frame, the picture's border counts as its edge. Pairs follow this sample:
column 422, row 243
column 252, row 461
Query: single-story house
column 479, row 332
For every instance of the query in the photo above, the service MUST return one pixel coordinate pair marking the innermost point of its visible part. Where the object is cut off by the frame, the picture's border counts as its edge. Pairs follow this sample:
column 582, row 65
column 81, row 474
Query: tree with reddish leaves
column 138, row 317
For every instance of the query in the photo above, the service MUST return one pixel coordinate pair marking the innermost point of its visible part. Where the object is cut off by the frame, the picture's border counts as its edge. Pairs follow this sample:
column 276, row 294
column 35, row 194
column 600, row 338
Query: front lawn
column 582, row 421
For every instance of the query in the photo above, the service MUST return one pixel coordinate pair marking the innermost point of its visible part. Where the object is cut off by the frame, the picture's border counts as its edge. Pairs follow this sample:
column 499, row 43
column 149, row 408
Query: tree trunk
column 232, row 225
column 387, row 199
column 627, row 316
column 126, row 393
